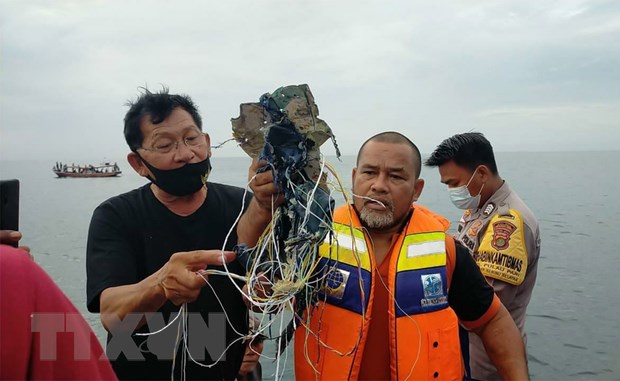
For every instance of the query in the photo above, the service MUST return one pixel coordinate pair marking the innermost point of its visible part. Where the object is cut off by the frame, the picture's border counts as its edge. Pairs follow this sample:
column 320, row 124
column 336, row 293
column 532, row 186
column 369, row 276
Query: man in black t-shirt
column 146, row 249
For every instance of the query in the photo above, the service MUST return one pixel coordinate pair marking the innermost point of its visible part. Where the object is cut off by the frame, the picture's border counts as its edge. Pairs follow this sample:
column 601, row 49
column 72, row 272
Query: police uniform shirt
column 504, row 239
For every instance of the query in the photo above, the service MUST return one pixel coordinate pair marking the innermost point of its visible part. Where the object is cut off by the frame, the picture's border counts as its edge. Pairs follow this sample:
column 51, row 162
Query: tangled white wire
column 296, row 264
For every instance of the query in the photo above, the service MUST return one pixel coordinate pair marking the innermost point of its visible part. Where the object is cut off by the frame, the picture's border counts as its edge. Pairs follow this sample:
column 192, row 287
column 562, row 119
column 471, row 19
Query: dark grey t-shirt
column 133, row 235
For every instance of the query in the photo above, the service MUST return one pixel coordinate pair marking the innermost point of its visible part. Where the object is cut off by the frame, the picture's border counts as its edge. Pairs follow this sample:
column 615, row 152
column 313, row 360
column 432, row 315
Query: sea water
column 572, row 320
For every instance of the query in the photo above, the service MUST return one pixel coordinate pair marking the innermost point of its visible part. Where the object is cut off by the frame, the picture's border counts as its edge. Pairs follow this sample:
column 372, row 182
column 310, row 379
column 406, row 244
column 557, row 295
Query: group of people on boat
column 103, row 168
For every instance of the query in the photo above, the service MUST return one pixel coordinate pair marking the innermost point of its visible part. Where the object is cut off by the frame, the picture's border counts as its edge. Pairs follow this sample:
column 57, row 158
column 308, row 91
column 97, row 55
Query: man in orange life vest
column 397, row 284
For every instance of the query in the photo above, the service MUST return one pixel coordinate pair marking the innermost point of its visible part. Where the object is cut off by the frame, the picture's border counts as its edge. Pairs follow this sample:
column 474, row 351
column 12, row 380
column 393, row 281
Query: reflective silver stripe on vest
column 426, row 248
column 345, row 241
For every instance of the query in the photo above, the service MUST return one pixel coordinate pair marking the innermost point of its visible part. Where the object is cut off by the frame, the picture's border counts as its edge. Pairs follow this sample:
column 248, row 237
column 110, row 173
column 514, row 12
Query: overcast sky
column 532, row 75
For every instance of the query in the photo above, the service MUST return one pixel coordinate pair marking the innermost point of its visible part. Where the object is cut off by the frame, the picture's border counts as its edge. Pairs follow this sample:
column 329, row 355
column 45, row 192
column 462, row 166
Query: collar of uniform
column 500, row 195
column 493, row 202
column 497, row 199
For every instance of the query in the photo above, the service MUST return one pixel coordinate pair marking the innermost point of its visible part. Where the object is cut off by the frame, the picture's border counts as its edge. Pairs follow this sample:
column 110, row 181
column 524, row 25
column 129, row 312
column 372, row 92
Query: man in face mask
column 147, row 250
column 497, row 227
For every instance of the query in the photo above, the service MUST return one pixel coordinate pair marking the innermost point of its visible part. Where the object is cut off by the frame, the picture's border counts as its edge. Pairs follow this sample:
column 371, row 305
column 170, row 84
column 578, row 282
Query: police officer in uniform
column 499, row 230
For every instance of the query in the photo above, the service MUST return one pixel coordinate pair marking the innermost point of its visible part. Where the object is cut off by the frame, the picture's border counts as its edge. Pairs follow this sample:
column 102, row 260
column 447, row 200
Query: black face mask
column 181, row 181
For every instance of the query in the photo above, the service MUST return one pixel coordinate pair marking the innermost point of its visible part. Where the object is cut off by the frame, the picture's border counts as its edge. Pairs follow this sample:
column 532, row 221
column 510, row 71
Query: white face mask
column 461, row 198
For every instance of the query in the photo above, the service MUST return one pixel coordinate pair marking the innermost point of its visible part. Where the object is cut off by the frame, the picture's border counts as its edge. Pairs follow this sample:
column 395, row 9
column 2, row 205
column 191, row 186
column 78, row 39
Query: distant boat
column 101, row 170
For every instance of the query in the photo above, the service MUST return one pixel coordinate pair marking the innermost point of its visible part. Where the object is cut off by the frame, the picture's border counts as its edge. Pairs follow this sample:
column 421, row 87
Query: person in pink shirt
column 42, row 335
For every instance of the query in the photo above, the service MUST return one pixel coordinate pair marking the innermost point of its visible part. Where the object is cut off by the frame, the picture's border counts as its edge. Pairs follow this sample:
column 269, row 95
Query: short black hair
column 468, row 150
column 393, row 137
column 156, row 106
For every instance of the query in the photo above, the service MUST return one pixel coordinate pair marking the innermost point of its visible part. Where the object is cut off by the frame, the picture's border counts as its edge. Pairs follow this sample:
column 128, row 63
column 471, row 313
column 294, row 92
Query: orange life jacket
column 423, row 333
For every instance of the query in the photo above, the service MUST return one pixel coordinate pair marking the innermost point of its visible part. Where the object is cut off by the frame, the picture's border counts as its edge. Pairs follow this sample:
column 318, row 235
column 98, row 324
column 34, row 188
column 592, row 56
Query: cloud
column 427, row 69
column 555, row 127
